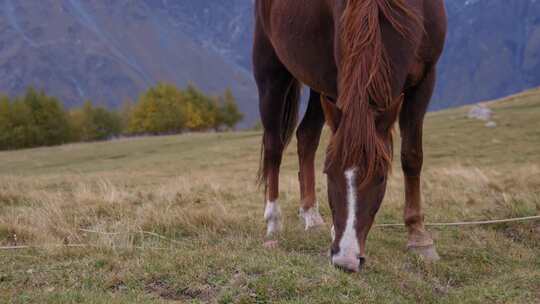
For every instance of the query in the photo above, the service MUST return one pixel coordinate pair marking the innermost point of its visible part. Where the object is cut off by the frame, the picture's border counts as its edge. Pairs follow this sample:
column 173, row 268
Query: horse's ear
column 387, row 119
column 332, row 114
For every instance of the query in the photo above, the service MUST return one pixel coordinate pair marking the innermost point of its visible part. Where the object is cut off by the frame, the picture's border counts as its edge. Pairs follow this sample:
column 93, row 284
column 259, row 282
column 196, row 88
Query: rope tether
column 471, row 223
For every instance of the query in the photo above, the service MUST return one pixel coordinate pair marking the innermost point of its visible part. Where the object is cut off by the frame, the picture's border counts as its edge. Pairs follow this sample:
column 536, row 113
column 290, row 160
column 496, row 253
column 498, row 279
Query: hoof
column 273, row 244
column 426, row 253
column 273, row 227
column 312, row 218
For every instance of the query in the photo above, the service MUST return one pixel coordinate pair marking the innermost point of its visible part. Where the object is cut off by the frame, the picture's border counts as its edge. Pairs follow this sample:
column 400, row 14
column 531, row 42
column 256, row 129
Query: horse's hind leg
column 308, row 135
column 411, row 124
column 278, row 93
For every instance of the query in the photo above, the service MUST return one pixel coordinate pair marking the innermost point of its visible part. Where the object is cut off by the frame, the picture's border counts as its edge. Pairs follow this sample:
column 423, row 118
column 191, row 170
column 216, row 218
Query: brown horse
column 366, row 62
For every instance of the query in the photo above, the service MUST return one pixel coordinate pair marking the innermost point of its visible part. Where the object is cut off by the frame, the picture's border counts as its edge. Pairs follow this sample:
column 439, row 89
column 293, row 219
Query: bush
column 229, row 113
column 32, row 120
column 91, row 123
column 157, row 112
column 164, row 109
column 36, row 119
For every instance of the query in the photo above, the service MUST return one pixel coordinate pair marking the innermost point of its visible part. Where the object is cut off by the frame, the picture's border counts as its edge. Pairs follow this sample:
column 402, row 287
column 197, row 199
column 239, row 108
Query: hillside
column 493, row 49
column 109, row 51
column 198, row 191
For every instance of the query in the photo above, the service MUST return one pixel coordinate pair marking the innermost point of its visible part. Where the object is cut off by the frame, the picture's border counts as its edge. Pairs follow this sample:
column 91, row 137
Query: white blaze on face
column 272, row 216
column 348, row 245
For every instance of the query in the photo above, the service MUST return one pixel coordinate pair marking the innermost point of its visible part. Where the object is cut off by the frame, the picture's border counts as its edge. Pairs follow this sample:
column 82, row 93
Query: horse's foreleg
column 411, row 124
column 278, row 104
column 308, row 135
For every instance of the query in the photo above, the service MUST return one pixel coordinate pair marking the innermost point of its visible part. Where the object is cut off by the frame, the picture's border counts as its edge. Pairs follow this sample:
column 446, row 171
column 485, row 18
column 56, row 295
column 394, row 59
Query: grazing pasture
column 198, row 193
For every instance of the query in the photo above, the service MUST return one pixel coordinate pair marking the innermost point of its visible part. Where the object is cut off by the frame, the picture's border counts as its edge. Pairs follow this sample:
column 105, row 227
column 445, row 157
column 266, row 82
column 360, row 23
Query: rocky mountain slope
column 493, row 49
column 111, row 50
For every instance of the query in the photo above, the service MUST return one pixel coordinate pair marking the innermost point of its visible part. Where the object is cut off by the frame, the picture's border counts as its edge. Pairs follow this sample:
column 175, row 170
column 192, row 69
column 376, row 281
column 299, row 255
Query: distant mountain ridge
column 108, row 51
column 492, row 50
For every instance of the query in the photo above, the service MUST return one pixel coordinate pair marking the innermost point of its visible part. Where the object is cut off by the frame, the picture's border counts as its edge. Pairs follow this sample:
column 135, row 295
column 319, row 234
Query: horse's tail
column 365, row 86
column 289, row 120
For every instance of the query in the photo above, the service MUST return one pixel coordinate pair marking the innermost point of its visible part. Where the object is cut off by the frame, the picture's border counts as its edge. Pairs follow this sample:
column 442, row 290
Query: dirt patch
column 167, row 292
column 528, row 235
column 116, row 285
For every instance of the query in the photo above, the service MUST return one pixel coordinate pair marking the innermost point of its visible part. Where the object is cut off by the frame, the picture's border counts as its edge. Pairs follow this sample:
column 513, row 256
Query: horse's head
column 355, row 193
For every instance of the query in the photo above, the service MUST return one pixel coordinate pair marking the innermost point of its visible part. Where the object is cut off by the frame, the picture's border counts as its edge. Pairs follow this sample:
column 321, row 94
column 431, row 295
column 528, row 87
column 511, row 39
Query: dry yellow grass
column 199, row 191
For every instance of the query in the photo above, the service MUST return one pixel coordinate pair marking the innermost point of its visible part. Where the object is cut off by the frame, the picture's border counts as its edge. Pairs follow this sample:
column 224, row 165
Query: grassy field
column 198, row 191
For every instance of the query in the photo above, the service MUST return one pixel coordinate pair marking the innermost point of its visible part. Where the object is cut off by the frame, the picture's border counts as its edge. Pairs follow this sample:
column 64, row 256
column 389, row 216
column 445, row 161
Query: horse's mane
column 365, row 81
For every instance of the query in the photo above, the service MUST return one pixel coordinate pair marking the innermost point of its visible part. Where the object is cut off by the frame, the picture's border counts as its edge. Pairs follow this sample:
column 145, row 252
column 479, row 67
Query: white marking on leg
column 312, row 217
column 333, row 233
column 348, row 245
column 272, row 216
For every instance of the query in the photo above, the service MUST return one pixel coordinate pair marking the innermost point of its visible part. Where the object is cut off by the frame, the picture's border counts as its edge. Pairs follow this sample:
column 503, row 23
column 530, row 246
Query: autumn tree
column 200, row 110
column 90, row 123
column 229, row 113
column 158, row 111
column 34, row 119
column 165, row 109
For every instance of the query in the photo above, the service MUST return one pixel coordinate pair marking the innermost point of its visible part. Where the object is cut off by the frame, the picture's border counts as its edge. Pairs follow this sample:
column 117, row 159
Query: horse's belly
column 318, row 73
column 305, row 44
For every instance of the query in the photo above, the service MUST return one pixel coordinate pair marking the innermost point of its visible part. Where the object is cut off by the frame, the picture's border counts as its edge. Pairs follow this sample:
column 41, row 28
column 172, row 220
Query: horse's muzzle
column 349, row 264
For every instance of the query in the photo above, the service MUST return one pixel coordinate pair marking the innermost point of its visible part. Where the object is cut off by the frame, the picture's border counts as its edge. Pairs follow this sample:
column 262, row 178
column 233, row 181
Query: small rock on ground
column 491, row 124
column 481, row 112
